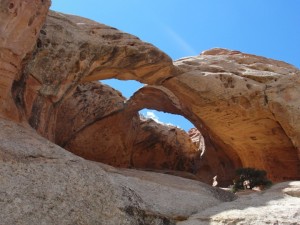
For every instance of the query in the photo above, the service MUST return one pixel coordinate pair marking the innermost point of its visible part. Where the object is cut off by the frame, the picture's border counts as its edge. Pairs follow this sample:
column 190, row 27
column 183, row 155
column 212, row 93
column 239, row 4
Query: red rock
column 20, row 22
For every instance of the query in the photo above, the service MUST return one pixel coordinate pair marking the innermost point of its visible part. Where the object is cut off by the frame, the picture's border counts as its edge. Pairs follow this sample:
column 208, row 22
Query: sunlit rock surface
column 278, row 205
column 245, row 106
column 250, row 105
column 42, row 183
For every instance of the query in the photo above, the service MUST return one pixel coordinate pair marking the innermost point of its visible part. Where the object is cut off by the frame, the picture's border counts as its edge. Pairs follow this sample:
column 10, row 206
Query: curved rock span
column 245, row 106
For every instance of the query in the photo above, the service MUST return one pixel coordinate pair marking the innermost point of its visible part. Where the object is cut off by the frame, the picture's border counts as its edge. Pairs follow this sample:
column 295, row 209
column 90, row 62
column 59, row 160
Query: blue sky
column 270, row 28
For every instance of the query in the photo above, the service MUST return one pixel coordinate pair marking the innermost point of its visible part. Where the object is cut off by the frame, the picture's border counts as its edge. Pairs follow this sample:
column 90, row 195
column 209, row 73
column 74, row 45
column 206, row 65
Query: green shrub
column 254, row 177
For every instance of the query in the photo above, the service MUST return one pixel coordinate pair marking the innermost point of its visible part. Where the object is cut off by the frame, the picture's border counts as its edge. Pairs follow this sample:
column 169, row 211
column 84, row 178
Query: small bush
column 248, row 178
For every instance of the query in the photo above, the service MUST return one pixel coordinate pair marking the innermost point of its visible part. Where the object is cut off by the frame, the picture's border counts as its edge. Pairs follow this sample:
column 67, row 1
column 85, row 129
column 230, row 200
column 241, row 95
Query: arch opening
column 167, row 118
column 112, row 131
column 126, row 87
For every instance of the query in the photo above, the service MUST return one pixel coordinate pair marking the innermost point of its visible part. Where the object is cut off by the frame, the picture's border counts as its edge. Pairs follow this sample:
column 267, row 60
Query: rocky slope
column 42, row 183
column 279, row 205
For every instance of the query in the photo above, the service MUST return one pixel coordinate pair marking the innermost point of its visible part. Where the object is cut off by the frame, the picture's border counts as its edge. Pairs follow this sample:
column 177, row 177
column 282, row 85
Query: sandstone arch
column 98, row 124
column 247, row 104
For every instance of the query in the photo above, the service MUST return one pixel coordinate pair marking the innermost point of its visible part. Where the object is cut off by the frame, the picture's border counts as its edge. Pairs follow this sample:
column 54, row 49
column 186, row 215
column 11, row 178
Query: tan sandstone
column 246, row 106
column 20, row 22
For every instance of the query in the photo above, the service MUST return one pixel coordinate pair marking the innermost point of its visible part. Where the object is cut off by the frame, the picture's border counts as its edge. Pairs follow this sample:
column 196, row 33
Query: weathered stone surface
column 240, row 97
column 272, row 206
column 234, row 99
column 158, row 146
column 245, row 106
column 71, row 50
column 20, row 22
column 98, row 124
column 212, row 161
column 42, row 183
column 93, row 123
column 90, row 102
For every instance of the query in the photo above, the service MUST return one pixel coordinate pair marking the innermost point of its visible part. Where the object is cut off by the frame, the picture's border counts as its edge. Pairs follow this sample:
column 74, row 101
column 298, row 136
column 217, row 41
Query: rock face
column 71, row 50
column 245, row 106
column 20, row 22
column 42, row 183
column 160, row 146
column 234, row 93
column 98, row 124
column 212, row 162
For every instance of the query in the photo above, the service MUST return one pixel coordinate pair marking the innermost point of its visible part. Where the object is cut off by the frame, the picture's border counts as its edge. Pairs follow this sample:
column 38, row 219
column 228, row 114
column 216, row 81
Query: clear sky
column 180, row 28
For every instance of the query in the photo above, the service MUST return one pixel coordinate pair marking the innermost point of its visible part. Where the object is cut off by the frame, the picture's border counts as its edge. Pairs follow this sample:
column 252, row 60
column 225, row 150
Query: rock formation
column 71, row 50
column 42, row 183
column 212, row 162
column 234, row 94
column 279, row 205
column 20, row 22
column 97, row 123
column 245, row 106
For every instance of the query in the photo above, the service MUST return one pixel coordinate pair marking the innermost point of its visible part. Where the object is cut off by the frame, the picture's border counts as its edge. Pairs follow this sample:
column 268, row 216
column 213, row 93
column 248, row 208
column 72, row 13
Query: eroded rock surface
column 42, row 183
column 245, row 106
column 20, row 22
column 159, row 146
column 212, row 162
column 234, row 94
column 71, row 50
column 273, row 206
column 97, row 123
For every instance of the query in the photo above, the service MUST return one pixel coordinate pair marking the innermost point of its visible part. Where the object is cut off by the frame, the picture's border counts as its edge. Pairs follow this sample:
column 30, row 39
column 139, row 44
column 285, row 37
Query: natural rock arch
column 98, row 124
column 247, row 104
